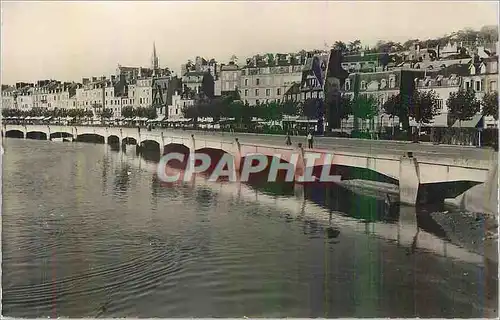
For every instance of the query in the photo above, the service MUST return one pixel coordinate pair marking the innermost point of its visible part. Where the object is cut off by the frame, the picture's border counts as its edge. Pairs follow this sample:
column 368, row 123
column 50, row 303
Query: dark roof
column 194, row 73
column 378, row 76
column 294, row 89
column 359, row 58
column 458, row 69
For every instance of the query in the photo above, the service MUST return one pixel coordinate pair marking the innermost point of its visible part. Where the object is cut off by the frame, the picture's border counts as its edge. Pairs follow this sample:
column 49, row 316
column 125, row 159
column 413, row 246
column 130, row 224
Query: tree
column 290, row 108
column 425, row 107
column 106, row 113
column 341, row 46
column 272, row 111
column 150, row 112
column 365, row 107
column 463, row 105
column 89, row 113
column 345, row 109
column 489, row 34
column 128, row 112
column 354, row 46
column 393, row 108
column 490, row 104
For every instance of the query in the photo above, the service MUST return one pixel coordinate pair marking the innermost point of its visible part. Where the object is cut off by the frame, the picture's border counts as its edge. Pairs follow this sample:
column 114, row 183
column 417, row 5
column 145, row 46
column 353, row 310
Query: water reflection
column 144, row 248
column 320, row 208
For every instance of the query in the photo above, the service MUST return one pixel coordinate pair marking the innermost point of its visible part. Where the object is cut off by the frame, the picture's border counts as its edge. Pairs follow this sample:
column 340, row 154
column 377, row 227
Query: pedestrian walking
column 310, row 140
column 288, row 140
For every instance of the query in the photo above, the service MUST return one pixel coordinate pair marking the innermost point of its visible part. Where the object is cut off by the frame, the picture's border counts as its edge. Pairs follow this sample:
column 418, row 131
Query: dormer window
column 472, row 69
column 482, row 69
column 439, row 80
column 392, row 81
column 383, row 83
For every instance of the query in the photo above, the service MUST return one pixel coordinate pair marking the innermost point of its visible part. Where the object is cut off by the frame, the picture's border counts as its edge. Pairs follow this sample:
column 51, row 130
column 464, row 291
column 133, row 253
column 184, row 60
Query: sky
column 70, row 40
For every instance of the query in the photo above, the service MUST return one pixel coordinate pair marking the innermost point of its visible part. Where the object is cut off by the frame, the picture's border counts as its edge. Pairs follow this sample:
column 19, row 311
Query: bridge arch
column 265, row 174
column 36, row 135
column 175, row 147
column 215, row 155
column 14, row 133
column 91, row 137
column 60, row 134
column 150, row 144
column 354, row 173
column 129, row 140
column 113, row 139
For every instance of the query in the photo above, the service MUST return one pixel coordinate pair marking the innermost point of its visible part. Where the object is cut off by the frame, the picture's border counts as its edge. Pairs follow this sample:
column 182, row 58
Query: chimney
column 103, row 78
column 85, row 81
column 94, row 79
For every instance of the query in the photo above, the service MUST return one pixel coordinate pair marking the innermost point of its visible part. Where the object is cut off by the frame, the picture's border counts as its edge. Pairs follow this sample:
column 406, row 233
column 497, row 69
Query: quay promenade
column 410, row 165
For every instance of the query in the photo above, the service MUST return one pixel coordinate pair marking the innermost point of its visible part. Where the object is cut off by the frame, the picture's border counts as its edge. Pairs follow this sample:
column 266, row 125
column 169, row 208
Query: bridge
column 408, row 165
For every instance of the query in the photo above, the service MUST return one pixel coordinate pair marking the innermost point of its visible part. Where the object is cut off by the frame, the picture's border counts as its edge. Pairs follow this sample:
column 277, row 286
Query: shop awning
column 158, row 119
column 476, row 122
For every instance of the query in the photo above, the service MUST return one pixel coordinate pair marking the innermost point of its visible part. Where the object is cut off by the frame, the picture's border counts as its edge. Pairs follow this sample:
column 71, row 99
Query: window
column 257, row 92
column 478, row 85
column 246, row 82
column 392, row 81
column 278, row 91
column 440, row 104
column 363, row 85
column 268, row 92
column 246, row 92
column 106, row 94
column 257, row 81
column 347, row 85
column 493, row 86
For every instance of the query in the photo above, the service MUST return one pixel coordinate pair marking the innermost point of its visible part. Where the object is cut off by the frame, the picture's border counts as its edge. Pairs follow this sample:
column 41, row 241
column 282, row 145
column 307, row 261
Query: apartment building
column 482, row 75
column 229, row 79
column 381, row 86
column 193, row 80
column 9, row 97
column 268, row 77
column 24, row 99
column 443, row 82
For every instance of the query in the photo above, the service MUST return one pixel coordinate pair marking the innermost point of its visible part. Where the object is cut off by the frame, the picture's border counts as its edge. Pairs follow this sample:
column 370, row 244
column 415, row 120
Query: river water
column 90, row 232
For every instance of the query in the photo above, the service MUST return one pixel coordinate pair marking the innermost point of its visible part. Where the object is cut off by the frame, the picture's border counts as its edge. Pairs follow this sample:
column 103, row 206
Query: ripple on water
column 93, row 235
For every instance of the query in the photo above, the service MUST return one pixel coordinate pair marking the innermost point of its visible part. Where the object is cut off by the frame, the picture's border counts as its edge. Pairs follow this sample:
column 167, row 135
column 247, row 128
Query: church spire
column 154, row 59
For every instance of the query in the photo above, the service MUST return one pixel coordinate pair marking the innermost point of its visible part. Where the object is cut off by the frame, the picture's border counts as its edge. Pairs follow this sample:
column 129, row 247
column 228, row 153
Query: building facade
column 179, row 102
column 9, row 97
column 268, row 78
column 229, row 78
column 380, row 86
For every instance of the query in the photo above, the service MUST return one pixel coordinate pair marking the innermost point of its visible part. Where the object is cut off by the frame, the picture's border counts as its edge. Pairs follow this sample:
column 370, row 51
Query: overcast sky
column 71, row 40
